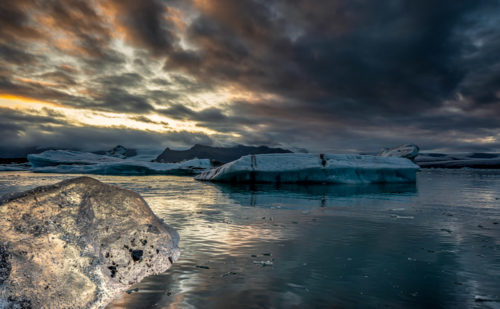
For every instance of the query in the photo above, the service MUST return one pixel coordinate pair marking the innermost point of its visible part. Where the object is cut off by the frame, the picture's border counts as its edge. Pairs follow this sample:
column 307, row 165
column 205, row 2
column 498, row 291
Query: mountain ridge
column 216, row 154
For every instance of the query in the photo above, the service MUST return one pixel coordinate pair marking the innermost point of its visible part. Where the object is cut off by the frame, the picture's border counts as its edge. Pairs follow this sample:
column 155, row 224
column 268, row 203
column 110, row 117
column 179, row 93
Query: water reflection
column 294, row 196
column 330, row 246
column 434, row 245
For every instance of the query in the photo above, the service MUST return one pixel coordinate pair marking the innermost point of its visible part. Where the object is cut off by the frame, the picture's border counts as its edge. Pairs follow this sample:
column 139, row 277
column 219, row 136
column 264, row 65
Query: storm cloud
column 335, row 75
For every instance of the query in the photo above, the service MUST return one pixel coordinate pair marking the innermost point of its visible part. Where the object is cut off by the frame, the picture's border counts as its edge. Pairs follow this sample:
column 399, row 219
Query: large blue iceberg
column 77, row 162
column 314, row 168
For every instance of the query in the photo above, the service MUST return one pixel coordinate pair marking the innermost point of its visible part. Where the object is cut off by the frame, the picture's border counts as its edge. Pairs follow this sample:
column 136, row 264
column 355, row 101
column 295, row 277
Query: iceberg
column 408, row 151
column 314, row 168
column 14, row 167
column 69, row 157
column 77, row 162
column 78, row 244
column 442, row 160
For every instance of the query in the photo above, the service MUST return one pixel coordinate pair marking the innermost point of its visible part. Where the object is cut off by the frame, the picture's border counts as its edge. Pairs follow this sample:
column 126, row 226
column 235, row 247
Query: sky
column 326, row 76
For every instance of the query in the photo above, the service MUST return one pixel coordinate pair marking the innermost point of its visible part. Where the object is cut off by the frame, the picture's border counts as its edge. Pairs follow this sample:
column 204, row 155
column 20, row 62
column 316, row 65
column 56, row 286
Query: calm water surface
column 435, row 244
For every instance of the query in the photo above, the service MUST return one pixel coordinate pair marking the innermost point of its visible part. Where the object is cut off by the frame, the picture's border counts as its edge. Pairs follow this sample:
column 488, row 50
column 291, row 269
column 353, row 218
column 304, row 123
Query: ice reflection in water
column 435, row 244
column 293, row 196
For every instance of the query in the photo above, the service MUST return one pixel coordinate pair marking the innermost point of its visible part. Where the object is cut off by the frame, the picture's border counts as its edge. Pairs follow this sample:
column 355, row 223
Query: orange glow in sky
column 20, row 102
column 86, row 117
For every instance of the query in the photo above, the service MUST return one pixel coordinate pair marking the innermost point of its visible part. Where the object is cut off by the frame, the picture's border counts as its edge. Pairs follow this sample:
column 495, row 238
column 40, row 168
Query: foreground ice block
column 314, row 168
column 77, row 162
column 78, row 244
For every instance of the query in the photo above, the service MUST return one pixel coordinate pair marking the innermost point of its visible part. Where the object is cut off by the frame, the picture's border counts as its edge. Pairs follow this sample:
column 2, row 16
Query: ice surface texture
column 314, row 168
column 78, row 244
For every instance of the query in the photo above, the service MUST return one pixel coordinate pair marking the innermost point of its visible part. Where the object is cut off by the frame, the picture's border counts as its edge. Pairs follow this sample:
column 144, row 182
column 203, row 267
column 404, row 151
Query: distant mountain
column 216, row 154
column 118, row 152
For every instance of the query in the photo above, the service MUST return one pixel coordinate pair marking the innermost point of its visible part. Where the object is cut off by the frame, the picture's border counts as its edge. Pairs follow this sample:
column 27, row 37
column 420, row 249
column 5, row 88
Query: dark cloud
column 15, row 22
column 381, row 55
column 162, row 97
column 146, row 24
column 45, row 116
column 178, row 111
column 213, row 118
column 351, row 66
column 31, row 89
column 123, row 80
column 17, row 129
column 119, row 99
column 59, row 77
column 149, row 120
column 24, row 132
column 332, row 75
column 83, row 26
column 13, row 55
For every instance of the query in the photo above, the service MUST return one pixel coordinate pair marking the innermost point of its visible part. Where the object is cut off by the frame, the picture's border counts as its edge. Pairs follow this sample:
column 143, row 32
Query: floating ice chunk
column 76, row 162
column 313, row 168
column 14, row 167
column 481, row 298
column 402, row 217
column 129, row 168
column 263, row 263
column 409, row 151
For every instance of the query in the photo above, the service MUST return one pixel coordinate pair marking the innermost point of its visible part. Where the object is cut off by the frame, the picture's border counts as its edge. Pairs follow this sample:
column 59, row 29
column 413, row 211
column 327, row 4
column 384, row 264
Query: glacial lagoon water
column 433, row 244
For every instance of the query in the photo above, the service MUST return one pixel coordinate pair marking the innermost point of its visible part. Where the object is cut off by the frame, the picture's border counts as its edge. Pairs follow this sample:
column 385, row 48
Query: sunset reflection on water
column 433, row 244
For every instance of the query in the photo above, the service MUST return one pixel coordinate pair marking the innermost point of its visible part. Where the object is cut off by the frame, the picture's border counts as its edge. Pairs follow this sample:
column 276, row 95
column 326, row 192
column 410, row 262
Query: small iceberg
column 314, row 168
column 77, row 162
column 408, row 151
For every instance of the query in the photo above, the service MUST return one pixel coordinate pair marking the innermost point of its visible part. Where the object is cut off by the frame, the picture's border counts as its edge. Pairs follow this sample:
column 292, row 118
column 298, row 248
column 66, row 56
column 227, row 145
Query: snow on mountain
column 408, row 151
